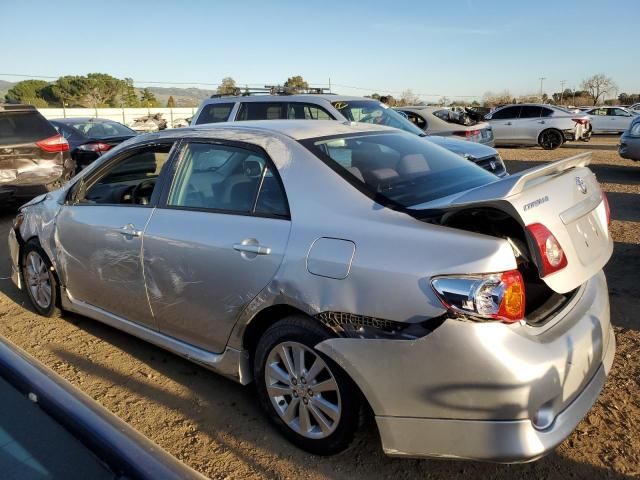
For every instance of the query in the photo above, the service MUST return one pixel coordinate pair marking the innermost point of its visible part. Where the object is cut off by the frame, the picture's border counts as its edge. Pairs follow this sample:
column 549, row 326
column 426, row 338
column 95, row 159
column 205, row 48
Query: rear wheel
column 308, row 397
column 40, row 281
column 550, row 139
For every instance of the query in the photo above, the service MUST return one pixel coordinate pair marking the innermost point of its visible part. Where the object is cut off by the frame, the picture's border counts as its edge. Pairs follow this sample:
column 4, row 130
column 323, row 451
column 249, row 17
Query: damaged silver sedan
column 344, row 267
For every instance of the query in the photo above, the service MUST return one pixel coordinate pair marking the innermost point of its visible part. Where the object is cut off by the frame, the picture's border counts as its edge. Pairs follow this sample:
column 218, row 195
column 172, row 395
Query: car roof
column 82, row 119
column 11, row 107
column 295, row 129
column 311, row 98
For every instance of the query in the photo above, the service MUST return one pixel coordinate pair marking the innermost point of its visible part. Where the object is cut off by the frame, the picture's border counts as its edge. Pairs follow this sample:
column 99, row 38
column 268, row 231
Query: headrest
column 412, row 164
column 251, row 168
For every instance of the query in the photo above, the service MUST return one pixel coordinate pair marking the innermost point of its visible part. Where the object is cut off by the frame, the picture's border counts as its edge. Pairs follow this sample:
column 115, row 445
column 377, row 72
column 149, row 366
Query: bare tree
column 598, row 86
column 409, row 98
column 491, row 99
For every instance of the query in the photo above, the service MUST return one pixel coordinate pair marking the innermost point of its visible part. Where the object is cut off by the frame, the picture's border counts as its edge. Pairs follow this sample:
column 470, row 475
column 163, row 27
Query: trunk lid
column 566, row 198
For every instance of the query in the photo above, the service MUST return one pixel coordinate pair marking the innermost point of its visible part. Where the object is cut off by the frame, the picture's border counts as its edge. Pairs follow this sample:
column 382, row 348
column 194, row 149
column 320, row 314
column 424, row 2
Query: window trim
column 178, row 158
column 89, row 180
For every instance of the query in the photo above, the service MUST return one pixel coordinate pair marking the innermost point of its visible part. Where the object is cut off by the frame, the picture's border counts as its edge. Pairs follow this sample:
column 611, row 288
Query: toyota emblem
column 581, row 184
column 492, row 164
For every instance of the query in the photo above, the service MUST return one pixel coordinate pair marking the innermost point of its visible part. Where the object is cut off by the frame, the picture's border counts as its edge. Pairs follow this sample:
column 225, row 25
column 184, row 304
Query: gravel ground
column 216, row 427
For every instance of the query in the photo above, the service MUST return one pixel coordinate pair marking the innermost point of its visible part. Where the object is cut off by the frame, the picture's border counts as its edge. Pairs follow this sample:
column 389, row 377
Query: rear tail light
column 97, row 147
column 553, row 257
column 581, row 121
column 467, row 133
column 54, row 144
column 607, row 209
column 495, row 296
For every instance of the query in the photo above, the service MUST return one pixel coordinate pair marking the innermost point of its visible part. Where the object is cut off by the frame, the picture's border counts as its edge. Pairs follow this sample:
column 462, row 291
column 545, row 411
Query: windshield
column 372, row 111
column 99, row 130
column 404, row 169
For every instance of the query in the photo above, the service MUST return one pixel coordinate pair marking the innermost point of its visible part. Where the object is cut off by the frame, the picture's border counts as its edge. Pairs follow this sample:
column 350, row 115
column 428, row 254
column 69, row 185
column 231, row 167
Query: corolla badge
column 581, row 184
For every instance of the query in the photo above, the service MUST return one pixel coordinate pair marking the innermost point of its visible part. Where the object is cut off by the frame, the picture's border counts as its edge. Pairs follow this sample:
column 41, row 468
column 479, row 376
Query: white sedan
column 610, row 119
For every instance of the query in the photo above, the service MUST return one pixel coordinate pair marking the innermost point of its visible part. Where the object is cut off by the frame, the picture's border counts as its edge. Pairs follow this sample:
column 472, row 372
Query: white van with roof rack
column 264, row 105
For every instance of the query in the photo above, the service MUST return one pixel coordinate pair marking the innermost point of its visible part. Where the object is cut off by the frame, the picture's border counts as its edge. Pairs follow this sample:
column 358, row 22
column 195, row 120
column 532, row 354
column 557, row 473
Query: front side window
column 307, row 111
column 372, row 111
column 506, row 113
column 262, row 111
column 215, row 113
column 416, row 119
column 402, row 168
column 598, row 112
column 226, row 178
column 131, row 180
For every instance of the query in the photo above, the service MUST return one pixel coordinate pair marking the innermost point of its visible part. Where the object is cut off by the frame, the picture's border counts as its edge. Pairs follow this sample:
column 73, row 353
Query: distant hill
column 4, row 88
column 184, row 97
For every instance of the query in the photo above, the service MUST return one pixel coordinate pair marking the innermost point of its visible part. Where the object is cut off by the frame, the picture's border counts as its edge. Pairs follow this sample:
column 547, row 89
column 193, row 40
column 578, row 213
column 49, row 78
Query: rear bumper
column 496, row 441
column 486, row 391
column 629, row 148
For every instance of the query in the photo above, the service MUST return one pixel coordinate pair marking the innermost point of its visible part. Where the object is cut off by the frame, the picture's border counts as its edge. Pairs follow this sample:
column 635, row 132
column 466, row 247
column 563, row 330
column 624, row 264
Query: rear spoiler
column 510, row 185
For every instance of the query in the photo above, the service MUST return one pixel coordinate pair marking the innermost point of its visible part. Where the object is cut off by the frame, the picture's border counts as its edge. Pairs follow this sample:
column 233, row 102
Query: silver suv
column 335, row 107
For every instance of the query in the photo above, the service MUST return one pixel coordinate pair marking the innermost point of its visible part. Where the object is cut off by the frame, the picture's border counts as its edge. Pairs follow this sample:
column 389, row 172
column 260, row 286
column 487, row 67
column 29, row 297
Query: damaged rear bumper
column 486, row 391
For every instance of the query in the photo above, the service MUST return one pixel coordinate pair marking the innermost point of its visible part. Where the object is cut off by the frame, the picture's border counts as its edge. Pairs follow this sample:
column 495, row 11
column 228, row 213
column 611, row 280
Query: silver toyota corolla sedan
column 344, row 267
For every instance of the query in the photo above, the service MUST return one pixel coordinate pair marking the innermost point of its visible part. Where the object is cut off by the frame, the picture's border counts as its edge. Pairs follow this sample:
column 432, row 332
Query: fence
column 122, row 115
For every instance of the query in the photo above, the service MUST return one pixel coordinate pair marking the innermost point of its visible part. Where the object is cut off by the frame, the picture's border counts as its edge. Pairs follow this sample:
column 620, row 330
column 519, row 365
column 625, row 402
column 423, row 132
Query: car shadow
column 228, row 418
column 624, row 293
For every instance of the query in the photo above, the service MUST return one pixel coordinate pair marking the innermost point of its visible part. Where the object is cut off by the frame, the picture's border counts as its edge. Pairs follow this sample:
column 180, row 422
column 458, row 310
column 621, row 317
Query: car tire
column 40, row 281
column 322, row 423
column 550, row 139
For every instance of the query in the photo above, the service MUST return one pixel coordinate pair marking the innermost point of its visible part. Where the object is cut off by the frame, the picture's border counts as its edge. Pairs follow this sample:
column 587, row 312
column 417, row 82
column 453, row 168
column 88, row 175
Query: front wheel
column 550, row 139
column 40, row 281
column 309, row 398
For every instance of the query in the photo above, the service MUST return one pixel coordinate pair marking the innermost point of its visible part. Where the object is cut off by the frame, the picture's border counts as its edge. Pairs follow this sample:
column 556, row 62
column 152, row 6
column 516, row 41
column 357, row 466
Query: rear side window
column 530, row 111
column 416, row 119
column 508, row 112
column 226, row 178
column 262, row 111
column 307, row 111
column 547, row 112
column 24, row 127
column 215, row 113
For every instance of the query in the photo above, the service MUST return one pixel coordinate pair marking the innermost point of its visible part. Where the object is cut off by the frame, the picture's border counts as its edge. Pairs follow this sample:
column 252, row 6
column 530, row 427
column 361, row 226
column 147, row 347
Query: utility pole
column 562, row 82
column 542, row 79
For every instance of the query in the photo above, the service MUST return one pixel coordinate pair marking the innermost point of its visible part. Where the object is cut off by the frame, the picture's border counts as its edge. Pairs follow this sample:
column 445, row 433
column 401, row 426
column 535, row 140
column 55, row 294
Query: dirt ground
column 216, row 427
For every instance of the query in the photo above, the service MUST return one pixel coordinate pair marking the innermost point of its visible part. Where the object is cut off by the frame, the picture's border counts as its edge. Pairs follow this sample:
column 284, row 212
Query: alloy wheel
column 303, row 390
column 38, row 280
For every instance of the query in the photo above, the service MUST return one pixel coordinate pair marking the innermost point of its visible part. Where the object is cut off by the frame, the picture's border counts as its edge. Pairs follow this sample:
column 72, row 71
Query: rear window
column 24, row 127
column 101, row 129
column 215, row 113
column 403, row 169
column 262, row 111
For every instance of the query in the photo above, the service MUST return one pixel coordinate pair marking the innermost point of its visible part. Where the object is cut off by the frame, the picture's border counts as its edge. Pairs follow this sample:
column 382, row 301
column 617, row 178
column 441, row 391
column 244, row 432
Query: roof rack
column 271, row 90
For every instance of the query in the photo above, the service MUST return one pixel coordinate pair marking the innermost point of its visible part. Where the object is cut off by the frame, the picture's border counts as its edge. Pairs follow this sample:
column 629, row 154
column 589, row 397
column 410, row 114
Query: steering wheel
column 141, row 193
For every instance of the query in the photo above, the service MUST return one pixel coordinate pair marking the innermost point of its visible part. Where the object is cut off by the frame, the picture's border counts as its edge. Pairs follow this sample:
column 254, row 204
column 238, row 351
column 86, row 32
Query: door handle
column 129, row 230
column 508, row 123
column 542, row 122
column 252, row 248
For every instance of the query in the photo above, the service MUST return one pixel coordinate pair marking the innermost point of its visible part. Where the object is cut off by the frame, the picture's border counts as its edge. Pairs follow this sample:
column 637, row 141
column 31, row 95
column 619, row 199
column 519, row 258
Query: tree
column 28, row 91
column 227, row 87
column 103, row 90
column 171, row 103
column 491, row 99
column 295, row 84
column 71, row 90
column 409, row 98
column 598, row 86
column 129, row 97
column 148, row 99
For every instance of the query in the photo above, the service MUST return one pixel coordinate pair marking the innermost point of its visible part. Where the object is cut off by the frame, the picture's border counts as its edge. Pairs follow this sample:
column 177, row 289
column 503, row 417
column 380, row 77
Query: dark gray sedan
column 630, row 141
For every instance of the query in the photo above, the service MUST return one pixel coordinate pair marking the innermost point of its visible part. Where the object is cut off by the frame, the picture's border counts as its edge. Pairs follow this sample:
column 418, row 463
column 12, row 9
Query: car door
column 215, row 242
column 529, row 124
column 502, row 123
column 621, row 119
column 599, row 120
column 99, row 232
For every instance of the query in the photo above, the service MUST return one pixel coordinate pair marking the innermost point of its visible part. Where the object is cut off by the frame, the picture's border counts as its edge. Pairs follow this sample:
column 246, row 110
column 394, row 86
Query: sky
column 452, row 48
